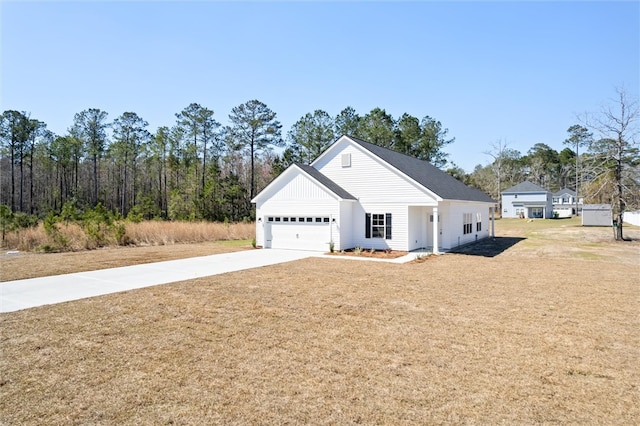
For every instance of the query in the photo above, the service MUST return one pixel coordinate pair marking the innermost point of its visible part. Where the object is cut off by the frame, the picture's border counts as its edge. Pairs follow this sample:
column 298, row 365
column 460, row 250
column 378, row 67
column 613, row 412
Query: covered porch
column 531, row 210
column 430, row 226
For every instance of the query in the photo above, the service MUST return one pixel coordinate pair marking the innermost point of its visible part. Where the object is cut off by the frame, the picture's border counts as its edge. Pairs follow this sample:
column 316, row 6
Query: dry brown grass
column 147, row 233
column 163, row 233
column 521, row 338
column 33, row 265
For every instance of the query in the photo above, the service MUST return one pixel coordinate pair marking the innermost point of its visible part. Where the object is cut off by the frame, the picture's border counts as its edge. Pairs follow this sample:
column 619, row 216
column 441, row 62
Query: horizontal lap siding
column 417, row 218
column 369, row 179
column 379, row 189
column 508, row 200
column 453, row 231
column 345, row 226
column 399, row 230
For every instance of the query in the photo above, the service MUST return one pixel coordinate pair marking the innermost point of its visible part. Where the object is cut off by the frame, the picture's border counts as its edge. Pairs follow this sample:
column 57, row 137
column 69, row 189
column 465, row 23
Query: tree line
column 600, row 161
column 200, row 169
column 194, row 169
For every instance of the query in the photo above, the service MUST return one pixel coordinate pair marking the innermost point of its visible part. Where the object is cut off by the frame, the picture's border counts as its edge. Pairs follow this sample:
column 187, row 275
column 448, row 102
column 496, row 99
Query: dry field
column 33, row 265
column 546, row 332
column 73, row 237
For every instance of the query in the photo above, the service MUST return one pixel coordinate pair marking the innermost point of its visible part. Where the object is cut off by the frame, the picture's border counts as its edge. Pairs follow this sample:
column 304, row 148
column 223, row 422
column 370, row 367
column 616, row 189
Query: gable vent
column 346, row 160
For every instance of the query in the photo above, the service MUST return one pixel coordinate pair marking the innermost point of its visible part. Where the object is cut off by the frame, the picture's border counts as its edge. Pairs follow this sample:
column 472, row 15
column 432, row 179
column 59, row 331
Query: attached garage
column 300, row 233
column 302, row 210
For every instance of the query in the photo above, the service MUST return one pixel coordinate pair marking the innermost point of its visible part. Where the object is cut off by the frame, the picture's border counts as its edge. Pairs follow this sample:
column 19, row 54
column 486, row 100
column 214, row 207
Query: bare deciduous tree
column 615, row 157
column 503, row 167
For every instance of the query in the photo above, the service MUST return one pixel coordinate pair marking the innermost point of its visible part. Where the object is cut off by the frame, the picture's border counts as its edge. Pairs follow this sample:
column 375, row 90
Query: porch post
column 493, row 222
column 435, row 230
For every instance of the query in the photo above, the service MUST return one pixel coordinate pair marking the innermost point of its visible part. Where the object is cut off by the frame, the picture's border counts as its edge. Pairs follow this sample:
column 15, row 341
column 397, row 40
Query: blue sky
column 519, row 72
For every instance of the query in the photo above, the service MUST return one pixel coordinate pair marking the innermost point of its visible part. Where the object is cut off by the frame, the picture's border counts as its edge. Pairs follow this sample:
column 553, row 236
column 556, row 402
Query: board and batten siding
column 370, row 178
column 300, row 187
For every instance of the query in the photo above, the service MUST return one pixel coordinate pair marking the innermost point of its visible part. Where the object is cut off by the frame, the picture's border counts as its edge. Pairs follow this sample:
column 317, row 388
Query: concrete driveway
column 23, row 294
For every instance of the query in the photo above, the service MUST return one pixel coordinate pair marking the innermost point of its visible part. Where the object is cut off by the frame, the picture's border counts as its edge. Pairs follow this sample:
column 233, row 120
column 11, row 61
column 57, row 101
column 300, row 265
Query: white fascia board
column 332, row 147
column 383, row 163
column 486, row 203
column 274, row 182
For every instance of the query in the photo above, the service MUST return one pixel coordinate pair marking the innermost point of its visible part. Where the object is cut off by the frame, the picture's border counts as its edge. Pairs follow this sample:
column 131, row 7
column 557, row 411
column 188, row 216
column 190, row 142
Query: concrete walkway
column 23, row 294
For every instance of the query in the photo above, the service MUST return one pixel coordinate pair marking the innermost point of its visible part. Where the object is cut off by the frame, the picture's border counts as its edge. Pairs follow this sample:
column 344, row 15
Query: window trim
column 378, row 221
column 467, row 223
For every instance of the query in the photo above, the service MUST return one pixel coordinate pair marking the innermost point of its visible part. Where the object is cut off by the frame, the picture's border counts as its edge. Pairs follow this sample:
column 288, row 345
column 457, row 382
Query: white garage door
column 300, row 233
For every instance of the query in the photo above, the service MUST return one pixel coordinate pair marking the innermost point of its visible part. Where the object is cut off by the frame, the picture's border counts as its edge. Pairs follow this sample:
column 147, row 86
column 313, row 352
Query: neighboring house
column 596, row 215
column 564, row 203
column 356, row 194
column 527, row 200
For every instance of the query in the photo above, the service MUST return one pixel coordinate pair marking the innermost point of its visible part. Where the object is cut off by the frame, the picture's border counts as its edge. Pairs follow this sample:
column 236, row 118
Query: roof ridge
column 526, row 186
column 424, row 173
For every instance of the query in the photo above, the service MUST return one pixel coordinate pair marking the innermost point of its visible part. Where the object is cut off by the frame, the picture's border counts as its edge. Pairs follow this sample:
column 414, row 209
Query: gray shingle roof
column 564, row 191
column 328, row 183
column 596, row 207
column 442, row 184
column 525, row 186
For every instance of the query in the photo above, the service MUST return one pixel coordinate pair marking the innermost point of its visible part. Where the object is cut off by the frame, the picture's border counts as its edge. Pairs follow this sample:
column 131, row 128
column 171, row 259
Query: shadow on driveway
column 488, row 247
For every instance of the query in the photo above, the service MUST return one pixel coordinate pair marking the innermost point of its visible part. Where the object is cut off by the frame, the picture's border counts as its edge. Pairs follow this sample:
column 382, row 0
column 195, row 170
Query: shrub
column 121, row 234
column 50, row 225
column 6, row 220
column 24, row 220
column 70, row 211
column 10, row 221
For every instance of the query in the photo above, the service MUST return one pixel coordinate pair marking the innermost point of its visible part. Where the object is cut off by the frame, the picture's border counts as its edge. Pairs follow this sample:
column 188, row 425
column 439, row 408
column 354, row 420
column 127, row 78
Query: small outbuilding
column 596, row 215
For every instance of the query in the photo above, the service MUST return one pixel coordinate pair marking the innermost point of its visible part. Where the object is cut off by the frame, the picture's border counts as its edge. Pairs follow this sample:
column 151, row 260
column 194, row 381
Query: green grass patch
column 587, row 255
column 234, row 243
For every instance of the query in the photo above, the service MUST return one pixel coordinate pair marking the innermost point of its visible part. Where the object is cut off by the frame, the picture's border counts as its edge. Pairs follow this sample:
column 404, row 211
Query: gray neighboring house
column 527, row 200
column 597, row 215
column 564, row 203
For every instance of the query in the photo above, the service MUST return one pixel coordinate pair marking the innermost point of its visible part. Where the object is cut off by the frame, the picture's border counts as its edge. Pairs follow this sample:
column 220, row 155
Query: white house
column 359, row 194
column 564, row 203
column 527, row 200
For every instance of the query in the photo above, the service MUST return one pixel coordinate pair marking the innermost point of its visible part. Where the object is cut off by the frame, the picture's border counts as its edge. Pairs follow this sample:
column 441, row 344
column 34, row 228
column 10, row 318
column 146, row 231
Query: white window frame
column 379, row 226
column 467, row 223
